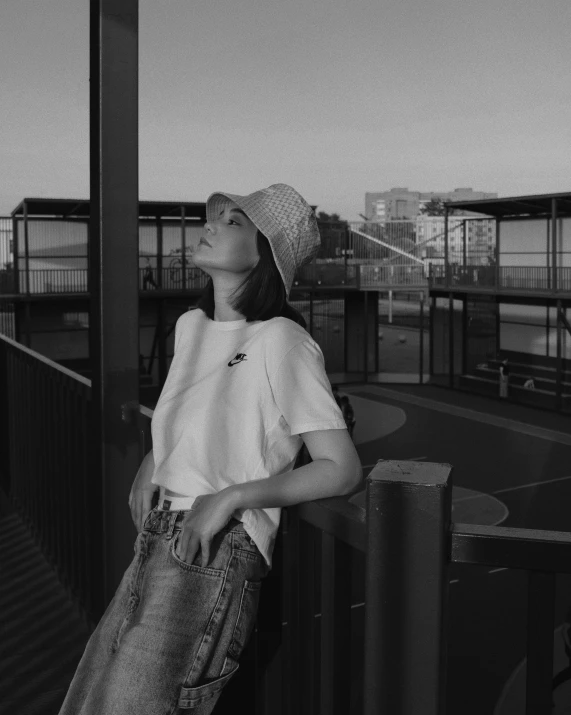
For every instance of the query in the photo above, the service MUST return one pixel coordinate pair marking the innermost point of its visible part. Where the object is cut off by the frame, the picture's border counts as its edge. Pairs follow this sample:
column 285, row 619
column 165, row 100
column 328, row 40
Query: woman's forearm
column 317, row 480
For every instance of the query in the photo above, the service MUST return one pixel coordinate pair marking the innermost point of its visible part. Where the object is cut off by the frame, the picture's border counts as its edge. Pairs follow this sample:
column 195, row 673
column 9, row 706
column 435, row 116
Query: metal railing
column 45, row 452
column 404, row 534
column 527, row 278
column 325, row 272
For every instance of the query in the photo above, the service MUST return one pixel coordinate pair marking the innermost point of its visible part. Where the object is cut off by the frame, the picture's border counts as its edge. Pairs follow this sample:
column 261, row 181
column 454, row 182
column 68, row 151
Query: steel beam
column 554, row 244
column 113, row 276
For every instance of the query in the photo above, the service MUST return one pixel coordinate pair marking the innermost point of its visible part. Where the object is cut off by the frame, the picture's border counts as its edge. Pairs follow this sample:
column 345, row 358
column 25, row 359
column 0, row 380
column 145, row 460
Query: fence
column 404, row 533
column 532, row 278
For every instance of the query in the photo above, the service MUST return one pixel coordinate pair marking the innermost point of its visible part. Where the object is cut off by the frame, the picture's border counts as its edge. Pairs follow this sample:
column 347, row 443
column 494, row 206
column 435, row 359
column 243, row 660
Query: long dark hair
column 261, row 295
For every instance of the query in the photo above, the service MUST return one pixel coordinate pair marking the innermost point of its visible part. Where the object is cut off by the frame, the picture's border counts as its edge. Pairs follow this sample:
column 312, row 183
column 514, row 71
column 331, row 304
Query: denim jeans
column 172, row 635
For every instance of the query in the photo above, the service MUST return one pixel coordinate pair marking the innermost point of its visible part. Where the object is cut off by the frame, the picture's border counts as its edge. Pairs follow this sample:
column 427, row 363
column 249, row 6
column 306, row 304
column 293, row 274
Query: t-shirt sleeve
column 178, row 328
column 303, row 393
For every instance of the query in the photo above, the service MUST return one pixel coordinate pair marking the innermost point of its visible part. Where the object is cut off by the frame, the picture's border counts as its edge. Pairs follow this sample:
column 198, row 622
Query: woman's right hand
column 142, row 491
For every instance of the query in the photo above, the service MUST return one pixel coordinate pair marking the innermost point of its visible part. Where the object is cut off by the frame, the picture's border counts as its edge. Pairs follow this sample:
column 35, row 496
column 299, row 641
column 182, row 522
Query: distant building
column 400, row 203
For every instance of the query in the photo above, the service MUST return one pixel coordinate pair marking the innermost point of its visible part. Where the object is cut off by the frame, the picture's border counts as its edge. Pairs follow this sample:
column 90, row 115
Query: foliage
column 434, row 207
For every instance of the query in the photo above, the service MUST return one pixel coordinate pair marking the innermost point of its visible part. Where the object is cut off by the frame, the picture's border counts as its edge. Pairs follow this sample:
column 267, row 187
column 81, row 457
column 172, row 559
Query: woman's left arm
column 335, row 471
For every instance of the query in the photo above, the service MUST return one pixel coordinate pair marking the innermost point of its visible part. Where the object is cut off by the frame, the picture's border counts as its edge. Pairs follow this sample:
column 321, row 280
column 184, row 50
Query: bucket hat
column 286, row 220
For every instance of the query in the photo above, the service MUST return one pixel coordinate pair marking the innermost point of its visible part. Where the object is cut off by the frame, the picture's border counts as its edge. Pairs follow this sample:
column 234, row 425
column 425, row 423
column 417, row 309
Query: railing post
column 408, row 506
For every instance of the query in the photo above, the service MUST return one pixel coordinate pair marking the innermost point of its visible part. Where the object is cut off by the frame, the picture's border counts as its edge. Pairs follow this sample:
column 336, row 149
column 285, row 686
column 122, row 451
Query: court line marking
column 484, row 417
column 531, row 484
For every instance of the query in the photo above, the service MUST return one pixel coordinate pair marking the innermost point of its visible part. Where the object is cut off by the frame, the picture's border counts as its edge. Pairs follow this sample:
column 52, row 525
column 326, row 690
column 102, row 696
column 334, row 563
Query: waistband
column 159, row 522
column 170, row 503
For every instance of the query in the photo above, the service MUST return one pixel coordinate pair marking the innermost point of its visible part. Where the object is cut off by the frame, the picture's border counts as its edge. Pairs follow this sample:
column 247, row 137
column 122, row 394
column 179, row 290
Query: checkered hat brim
column 286, row 220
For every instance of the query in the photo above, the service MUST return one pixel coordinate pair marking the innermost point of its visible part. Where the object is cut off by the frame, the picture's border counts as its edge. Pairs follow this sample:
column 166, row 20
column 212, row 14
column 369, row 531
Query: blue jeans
column 172, row 635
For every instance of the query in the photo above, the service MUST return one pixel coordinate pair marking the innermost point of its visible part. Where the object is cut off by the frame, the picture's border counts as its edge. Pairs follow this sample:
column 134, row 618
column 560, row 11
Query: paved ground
column 518, row 463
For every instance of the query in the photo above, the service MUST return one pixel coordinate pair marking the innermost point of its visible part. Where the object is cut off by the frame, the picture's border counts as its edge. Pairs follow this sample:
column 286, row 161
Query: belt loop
column 172, row 524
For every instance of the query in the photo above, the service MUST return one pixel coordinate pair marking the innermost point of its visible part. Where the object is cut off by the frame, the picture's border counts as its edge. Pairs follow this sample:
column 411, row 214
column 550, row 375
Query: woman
column 246, row 390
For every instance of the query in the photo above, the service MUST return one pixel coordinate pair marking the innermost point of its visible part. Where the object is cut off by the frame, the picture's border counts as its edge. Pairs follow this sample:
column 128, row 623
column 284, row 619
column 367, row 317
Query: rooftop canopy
column 517, row 206
column 79, row 208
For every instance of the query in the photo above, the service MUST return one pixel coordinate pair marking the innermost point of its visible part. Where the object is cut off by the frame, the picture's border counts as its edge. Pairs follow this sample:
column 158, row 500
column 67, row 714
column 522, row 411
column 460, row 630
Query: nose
column 209, row 227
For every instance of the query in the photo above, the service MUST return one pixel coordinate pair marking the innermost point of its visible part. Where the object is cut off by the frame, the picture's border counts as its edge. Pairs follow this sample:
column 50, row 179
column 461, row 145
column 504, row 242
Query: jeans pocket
column 206, row 694
column 196, row 566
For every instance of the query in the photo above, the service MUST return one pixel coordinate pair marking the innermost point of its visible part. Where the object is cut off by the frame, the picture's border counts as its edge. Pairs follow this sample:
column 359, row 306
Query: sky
column 334, row 97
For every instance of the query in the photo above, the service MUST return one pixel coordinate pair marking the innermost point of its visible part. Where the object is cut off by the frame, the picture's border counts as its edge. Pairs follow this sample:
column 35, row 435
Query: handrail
column 404, row 533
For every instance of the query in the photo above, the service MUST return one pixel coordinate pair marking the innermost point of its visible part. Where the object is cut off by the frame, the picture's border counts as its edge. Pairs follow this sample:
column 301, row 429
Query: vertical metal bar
column 335, row 625
column 559, row 358
column 498, row 325
column 183, row 244
column 547, row 327
column 113, row 277
column 26, row 249
column 292, row 682
column 548, row 254
column 497, row 277
column 554, row 261
column 159, row 252
column 305, row 641
column 408, row 507
column 451, row 339
column 464, row 334
column 540, row 617
column 464, row 259
column 421, row 341
column 15, row 249
column 431, row 319
column 366, row 336
column 346, row 231
column 446, row 252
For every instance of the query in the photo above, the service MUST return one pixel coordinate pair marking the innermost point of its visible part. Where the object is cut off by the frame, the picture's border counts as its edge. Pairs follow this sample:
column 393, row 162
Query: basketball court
column 505, row 472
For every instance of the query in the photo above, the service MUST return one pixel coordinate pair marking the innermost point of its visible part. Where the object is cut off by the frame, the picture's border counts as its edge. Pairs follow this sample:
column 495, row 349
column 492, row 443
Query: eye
column 231, row 220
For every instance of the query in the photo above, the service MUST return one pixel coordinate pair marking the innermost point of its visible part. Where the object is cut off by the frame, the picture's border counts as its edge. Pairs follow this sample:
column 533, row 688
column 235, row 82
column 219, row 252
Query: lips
column 203, row 240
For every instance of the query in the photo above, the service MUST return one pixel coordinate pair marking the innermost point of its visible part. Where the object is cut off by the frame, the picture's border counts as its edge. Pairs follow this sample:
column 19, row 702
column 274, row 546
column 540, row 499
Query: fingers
column 188, row 545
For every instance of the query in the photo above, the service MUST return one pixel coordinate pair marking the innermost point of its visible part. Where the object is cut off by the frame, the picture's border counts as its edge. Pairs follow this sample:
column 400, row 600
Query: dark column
column 183, row 245
column 464, row 334
column 361, row 315
column 559, row 361
column 113, row 278
column 451, row 339
column 431, row 319
column 464, row 257
column 27, row 318
column 159, row 252
column 553, row 244
column 446, row 256
column 421, row 341
column 408, row 507
column 366, row 336
column 26, row 248
column 16, row 248
column 497, row 271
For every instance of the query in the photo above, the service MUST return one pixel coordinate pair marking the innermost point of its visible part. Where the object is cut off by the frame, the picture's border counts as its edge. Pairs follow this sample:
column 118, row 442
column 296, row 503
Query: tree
column 330, row 218
column 434, row 207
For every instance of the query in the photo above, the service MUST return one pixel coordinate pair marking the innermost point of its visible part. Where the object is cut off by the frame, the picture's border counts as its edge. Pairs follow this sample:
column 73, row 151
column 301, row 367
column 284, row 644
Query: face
column 232, row 239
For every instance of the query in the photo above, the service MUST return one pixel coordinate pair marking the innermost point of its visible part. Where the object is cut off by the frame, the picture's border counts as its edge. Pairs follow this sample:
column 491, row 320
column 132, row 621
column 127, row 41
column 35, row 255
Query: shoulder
column 281, row 336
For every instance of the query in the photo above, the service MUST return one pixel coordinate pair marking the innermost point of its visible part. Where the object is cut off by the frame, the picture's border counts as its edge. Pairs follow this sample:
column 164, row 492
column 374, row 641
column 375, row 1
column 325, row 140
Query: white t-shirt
column 236, row 398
